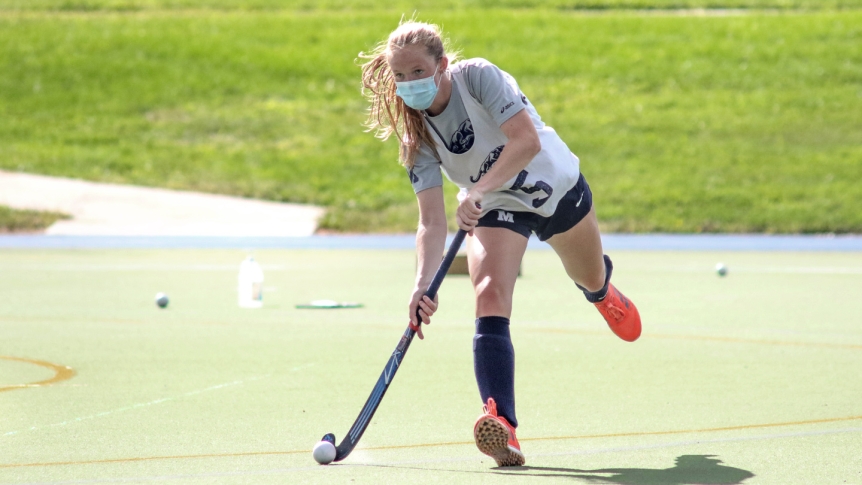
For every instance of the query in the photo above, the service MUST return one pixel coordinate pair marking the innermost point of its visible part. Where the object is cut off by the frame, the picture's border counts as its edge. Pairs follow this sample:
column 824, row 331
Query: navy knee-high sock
column 494, row 364
column 597, row 296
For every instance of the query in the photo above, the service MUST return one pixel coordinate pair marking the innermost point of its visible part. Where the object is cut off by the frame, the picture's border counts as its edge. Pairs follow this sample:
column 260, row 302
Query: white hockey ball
column 324, row 452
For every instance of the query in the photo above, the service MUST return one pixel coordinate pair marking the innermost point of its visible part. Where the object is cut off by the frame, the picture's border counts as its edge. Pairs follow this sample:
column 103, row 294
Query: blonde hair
column 388, row 114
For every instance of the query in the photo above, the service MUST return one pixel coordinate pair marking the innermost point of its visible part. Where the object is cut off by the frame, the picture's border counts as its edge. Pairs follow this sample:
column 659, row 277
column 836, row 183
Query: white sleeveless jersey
column 538, row 188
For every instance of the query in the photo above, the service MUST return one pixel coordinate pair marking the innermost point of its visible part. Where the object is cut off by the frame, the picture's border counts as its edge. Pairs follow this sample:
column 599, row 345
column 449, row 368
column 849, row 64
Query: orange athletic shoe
column 496, row 438
column 621, row 314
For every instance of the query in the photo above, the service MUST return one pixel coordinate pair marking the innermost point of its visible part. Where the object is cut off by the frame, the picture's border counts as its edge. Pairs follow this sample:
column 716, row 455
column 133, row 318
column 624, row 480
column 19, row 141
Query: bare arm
column 430, row 243
column 522, row 146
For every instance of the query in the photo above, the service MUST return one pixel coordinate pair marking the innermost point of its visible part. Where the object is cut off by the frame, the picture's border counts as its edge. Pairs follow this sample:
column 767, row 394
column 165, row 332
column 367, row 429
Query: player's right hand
column 469, row 210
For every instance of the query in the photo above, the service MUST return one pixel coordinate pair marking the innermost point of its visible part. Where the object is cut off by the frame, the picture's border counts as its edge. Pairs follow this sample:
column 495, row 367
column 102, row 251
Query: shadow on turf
column 689, row 469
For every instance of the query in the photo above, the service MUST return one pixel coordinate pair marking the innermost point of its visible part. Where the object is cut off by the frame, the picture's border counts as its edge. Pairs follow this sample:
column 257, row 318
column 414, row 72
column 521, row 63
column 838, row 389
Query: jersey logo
column 503, row 110
column 489, row 162
column 413, row 177
column 462, row 140
column 505, row 216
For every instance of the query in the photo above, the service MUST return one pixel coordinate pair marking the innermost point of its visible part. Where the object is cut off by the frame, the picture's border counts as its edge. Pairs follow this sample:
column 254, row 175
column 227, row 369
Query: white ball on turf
column 721, row 269
column 324, row 452
column 161, row 300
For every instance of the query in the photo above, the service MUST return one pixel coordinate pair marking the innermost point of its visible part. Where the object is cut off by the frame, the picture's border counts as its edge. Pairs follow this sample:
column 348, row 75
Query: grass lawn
column 421, row 5
column 739, row 122
column 14, row 220
column 742, row 379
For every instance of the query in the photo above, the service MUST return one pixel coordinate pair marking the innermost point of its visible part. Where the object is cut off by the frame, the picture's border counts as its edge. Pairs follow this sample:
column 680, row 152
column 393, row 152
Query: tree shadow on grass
column 689, row 469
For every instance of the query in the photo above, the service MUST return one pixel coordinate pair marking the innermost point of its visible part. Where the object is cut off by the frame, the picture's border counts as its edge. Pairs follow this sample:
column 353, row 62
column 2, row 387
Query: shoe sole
column 492, row 439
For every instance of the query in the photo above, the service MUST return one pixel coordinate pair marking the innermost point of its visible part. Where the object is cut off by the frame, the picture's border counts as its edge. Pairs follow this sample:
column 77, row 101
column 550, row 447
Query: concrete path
column 121, row 210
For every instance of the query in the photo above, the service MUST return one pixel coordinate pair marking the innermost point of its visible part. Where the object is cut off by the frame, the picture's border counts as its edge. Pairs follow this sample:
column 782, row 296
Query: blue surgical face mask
column 418, row 94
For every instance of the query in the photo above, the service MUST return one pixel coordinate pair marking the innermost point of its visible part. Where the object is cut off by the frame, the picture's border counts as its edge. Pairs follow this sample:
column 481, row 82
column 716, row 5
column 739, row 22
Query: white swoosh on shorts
column 579, row 200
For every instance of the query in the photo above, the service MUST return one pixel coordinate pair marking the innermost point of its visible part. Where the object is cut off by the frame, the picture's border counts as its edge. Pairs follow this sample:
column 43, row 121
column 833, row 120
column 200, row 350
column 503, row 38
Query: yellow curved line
column 429, row 445
column 704, row 430
column 755, row 341
column 735, row 340
column 61, row 373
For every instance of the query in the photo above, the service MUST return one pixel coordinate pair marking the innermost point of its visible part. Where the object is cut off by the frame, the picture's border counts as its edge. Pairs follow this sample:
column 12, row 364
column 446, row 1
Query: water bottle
column 250, row 284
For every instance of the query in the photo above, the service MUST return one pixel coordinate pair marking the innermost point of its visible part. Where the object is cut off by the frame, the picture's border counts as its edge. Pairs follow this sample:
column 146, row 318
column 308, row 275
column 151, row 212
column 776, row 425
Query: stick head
column 328, row 437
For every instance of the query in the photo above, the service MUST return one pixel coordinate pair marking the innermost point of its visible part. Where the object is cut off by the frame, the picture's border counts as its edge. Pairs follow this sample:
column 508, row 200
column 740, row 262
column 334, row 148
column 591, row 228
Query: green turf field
column 751, row 378
column 693, row 121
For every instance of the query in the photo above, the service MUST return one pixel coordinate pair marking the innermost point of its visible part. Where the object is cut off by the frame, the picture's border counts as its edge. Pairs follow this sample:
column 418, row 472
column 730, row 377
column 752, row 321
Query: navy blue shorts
column 573, row 207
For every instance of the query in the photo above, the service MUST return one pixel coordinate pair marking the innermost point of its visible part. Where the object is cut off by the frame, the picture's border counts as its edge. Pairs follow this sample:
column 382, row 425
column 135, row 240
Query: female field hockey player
column 470, row 120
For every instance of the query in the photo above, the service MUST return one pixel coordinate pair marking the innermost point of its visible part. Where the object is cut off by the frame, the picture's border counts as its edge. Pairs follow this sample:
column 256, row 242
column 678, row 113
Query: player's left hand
column 425, row 308
column 469, row 210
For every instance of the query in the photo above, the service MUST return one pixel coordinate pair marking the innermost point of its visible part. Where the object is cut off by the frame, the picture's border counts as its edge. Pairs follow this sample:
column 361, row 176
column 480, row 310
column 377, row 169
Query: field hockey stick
column 349, row 442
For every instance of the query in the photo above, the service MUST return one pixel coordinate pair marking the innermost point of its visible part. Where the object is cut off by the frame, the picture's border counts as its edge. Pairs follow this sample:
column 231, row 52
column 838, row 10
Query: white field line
column 146, row 404
column 802, row 270
column 827, row 270
column 473, row 458
column 121, row 267
column 133, row 406
column 161, row 478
